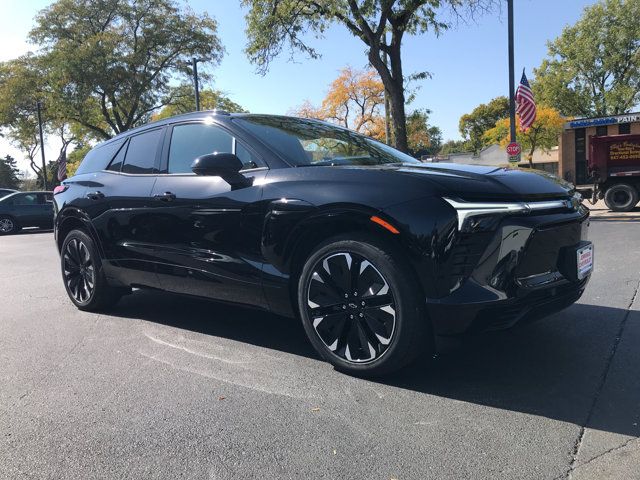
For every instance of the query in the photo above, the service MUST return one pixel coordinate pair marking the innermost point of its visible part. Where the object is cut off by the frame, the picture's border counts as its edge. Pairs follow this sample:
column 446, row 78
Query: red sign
column 513, row 149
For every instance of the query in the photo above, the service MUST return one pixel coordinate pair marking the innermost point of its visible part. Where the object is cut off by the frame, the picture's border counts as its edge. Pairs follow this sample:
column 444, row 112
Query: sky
column 468, row 63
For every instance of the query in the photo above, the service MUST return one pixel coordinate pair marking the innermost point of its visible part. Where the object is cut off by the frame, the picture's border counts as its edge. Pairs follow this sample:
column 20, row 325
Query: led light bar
column 467, row 210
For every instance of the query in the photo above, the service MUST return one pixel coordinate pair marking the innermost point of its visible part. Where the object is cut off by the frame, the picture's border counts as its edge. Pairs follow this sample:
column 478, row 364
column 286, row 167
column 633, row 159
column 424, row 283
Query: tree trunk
column 393, row 82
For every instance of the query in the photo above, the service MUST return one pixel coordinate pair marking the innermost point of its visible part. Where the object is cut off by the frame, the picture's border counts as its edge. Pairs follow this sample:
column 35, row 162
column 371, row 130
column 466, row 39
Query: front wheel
column 82, row 274
column 361, row 306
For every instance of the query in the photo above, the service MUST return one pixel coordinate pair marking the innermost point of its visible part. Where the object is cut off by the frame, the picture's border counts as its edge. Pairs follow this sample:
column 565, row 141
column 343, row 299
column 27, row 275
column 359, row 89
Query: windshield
column 304, row 142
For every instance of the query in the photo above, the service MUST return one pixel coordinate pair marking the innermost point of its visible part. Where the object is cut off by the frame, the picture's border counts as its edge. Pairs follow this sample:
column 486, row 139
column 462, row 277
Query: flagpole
column 512, row 101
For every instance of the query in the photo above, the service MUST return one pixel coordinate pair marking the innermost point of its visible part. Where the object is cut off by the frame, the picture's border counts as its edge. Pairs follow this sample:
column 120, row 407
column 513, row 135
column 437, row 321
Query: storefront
column 574, row 142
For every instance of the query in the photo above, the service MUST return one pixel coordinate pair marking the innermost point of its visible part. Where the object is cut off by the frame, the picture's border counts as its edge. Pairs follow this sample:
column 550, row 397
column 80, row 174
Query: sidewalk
column 600, row 211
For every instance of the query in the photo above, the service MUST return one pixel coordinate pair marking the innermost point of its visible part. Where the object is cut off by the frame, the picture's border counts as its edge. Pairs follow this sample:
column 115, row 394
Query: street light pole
column 195, row 82
column 44, row 164
column 512, row 101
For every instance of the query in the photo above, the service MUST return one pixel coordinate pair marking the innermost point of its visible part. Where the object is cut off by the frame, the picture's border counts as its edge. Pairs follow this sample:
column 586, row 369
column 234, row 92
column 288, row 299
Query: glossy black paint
column 246, row 242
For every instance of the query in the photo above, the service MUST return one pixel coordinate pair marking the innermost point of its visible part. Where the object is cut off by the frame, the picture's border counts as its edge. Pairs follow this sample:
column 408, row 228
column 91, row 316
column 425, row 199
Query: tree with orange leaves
column 355, row 100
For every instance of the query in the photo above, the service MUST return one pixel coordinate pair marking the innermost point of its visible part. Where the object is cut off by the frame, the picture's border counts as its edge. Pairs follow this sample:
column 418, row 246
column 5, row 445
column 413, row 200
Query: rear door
column 26, row 209
column 45, row 213
column 122, row 203
column 208, row 234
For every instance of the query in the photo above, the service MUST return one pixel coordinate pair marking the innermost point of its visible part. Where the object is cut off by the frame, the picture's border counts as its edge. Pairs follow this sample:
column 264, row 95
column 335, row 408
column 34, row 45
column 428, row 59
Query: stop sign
column 513, row 149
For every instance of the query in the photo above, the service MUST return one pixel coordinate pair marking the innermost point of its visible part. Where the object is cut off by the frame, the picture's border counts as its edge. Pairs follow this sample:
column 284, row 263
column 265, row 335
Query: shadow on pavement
column 551, row 368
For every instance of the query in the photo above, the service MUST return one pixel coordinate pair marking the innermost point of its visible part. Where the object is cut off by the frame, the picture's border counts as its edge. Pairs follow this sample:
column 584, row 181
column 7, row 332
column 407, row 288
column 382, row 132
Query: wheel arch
column 71, row 219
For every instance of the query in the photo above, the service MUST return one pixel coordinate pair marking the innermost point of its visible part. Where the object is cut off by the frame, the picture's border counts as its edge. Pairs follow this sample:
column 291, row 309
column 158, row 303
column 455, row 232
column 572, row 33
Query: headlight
column 474, row 214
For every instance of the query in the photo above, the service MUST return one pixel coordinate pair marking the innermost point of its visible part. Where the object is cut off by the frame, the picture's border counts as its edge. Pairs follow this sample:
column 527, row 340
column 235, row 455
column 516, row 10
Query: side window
column 26, row 199
column 142, row 152
column 191, row 140
column 98, row 158
column 118, row 160
column 248, row 159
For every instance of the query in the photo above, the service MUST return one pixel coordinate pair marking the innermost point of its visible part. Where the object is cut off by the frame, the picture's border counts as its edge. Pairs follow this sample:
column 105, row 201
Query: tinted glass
column 26, row 199
column 142, row 151
column 192, row 140
column 624, row 128
column 118, row 160
column 98, row 158
column 305, row 142
column 248, row 159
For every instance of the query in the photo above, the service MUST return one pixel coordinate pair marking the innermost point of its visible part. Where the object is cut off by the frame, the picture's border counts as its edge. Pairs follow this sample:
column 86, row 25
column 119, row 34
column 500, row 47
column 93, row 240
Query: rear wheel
column 82, row 274
column 8, row 225
column 361, row 307
column 621, row 197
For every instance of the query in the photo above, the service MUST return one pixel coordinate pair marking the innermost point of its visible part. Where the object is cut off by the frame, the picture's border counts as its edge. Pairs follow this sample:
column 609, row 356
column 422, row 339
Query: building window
column 624, row 128
column 601, row 130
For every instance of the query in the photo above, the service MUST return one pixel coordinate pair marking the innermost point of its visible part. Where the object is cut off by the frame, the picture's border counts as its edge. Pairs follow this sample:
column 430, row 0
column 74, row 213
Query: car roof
column 220, row 115
column 16, row 192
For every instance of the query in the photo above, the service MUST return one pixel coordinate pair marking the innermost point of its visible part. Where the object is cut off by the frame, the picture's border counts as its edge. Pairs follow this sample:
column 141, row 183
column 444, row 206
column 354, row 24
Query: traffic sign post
column 513, row 151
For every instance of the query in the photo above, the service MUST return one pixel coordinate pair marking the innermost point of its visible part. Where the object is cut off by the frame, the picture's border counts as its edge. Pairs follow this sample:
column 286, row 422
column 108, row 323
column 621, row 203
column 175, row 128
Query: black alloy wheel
column 351, row 307
column 361, row 306
column 78, row 270
column 83, row 276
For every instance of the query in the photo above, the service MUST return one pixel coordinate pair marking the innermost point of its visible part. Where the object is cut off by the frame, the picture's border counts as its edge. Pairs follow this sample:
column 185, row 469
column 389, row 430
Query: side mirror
column 225, row 165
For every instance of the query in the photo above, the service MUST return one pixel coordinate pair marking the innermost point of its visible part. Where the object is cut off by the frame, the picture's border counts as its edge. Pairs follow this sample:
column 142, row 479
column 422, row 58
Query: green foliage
column 484, row 117
column 182, row 100
column 424, row 139
column 9, row 173
column 273, row 25
column 108, row 63
column 593, row 67
column 455, row 146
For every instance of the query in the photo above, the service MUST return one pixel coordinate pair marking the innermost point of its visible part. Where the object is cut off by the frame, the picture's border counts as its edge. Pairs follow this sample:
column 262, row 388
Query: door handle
column 95, row 195
column 165, row 197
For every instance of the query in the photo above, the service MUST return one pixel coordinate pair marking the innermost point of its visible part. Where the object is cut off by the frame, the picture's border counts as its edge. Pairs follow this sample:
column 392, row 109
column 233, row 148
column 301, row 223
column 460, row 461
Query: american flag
column 62, row 167
column 526, row 105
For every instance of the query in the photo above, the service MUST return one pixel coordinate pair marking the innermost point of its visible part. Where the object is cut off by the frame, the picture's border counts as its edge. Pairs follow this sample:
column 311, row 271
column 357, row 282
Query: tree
column 542, row 135
column 9, row 173
column 272, row 24
column 423, row 139
column 355, row 100
column 593, row 67
column 108, row 63
column 455, row 146
column 482, row 118
column 182, row 101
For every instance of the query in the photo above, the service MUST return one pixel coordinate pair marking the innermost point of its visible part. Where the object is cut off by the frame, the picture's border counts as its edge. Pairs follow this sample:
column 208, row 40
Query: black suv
column 374, row 251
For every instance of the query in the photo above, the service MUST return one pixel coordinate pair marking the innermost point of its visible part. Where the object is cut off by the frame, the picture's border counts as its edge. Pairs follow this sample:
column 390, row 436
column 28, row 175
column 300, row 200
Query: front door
column 207, row 233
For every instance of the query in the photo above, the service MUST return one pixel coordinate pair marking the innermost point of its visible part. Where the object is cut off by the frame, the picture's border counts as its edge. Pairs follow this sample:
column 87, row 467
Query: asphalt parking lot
column 168, row 387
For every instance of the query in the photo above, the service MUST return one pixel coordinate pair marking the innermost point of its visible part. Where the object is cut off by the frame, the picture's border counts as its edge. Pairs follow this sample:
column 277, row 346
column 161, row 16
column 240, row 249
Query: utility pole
column 512, row 101
column 44, row 164
column 387, row 117
column 195, row 82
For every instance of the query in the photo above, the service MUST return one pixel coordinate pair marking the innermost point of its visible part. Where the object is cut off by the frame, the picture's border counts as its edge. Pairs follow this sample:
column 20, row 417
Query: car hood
column 476, row 182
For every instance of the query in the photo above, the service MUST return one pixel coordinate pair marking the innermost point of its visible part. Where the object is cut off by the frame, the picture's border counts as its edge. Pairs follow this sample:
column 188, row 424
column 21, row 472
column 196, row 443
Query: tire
column 386, row 311
column 8, row 225
column 621, row 197
column 82, row 274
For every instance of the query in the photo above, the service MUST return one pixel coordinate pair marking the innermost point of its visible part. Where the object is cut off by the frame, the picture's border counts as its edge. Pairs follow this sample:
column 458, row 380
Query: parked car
column 25, row 209
column 373, row 250
column 6, row 191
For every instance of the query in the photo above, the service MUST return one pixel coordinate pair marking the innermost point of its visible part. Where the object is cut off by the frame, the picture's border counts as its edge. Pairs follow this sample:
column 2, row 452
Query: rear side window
column 26, row 199
column 142, row 152
column 118, row 160
column 194, row 139
column 98, row 158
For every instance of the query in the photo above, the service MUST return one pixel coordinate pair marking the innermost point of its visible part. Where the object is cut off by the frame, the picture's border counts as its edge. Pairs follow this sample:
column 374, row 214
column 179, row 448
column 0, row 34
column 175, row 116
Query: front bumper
column 516, row 274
